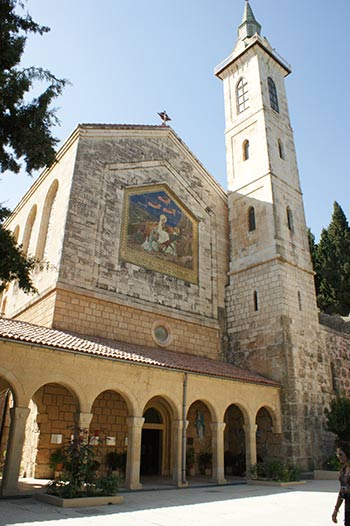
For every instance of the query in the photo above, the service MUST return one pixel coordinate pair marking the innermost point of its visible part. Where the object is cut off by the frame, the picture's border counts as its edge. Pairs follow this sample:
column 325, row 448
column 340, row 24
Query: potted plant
column 57, row 460
column 116, row 462
column 228, row 462
column 204, row 461
column 190, row 461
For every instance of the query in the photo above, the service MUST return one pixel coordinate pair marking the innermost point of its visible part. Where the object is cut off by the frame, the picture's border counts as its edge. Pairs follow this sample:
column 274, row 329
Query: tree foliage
column 338, row 418
column 14, row 265
column 24, row 124
column 331, row 261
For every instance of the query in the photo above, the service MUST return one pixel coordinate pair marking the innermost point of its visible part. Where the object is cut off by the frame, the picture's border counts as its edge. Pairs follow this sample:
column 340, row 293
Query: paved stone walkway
column 243, row 505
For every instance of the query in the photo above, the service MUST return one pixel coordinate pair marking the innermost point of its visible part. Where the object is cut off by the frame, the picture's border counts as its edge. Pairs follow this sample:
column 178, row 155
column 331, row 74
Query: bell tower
column 272, row 316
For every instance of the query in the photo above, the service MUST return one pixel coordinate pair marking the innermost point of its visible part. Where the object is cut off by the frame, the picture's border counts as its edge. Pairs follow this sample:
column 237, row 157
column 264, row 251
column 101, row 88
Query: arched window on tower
column 251, row 219
column 273, row 94
column 242, row 95
column 28, row 230
column 245, row 148
column 290, row 219
column 256, row 301
column 46, row 222
column 280, row 148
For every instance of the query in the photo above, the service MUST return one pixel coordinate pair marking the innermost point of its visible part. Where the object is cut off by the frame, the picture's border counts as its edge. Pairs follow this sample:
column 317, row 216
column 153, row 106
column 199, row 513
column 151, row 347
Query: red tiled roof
column 14, row 330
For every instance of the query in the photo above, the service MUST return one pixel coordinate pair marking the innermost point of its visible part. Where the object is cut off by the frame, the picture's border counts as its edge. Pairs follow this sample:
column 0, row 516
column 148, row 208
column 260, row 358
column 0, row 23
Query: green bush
column 338, row 418
column 332, row 464
column 275, row 470
column 108, row 485
column 116, row 460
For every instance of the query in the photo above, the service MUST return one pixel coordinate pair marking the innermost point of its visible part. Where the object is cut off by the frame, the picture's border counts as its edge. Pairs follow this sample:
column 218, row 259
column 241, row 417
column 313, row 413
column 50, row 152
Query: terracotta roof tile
column 37, row 335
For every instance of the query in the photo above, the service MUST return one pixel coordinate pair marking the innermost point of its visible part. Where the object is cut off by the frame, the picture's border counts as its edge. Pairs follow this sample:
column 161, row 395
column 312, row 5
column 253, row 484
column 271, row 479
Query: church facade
column 173, row 319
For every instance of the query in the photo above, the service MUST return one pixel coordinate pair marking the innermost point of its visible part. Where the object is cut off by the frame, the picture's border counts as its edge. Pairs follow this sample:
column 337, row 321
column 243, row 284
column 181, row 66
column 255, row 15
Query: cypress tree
column 313, row 254
column 333, row 265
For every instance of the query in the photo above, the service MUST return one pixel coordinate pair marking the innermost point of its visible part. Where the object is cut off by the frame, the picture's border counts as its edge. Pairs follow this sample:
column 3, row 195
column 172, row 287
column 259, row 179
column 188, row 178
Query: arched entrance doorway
column 156, row 439
column 234, row 442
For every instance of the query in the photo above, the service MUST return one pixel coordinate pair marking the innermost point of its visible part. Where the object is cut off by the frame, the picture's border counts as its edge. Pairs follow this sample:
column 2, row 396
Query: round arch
column 9, row 380
column 157, row 440
column 214, row 415
column 169, row 404
column 235, row 418
column 46, row 220
column 53, row 418
column 65, row 381
column 268, row 442
column 200, row 416
column 109, row 430
column 27, row 234
column 131, row 401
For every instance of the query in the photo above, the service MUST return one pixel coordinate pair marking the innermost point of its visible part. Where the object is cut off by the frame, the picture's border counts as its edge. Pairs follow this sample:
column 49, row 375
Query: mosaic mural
column 159, row 233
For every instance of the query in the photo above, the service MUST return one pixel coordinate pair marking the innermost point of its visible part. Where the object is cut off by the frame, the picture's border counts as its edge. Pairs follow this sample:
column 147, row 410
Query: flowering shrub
column 79, row 477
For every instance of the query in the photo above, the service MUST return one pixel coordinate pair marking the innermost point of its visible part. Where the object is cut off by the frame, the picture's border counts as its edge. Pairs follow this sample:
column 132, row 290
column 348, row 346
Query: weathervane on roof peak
column 165, row 117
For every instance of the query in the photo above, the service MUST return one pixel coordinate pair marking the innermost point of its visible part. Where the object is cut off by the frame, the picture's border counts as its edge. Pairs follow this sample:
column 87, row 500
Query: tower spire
column 249, row 25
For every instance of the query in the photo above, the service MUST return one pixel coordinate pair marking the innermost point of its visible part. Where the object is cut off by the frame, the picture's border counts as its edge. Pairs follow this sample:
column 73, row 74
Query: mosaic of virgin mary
column 159, row 233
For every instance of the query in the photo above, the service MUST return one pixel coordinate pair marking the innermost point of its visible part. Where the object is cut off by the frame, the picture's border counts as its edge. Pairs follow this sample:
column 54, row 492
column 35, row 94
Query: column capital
column 177, row 424
column 135, row 421
column 250, row 428
column 218, row 426
column 85, row 420
column 19, row 412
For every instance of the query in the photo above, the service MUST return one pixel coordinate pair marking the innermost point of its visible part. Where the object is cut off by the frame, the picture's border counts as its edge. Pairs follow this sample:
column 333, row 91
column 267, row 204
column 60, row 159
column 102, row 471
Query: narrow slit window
column 242, row 95
column 290, row 219
column 280, row 148
column 246, row 150
column 256, row 301
column 251, row 219
column 299, row 301
column 273, row 94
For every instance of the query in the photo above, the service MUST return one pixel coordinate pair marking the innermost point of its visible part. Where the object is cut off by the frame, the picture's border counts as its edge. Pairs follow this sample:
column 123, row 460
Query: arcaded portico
column 139, row 397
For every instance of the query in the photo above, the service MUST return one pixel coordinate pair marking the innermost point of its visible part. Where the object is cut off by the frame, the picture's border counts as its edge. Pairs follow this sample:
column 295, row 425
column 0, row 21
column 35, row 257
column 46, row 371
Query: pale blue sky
column 129, row 59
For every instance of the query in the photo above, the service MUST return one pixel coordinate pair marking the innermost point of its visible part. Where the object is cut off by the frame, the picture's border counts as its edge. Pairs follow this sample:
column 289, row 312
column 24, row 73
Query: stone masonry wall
column 85, row 314
column 110, row 413
column 40, row 312
column 109, row 161
column 337, row 345
column 56, row 415
column 282, row 340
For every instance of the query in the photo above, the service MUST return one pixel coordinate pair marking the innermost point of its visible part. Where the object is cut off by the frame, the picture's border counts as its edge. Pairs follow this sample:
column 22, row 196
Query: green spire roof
column 249, row 25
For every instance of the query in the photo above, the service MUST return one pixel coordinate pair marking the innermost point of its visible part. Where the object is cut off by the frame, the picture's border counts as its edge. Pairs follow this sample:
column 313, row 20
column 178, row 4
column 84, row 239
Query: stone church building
column 172, row 319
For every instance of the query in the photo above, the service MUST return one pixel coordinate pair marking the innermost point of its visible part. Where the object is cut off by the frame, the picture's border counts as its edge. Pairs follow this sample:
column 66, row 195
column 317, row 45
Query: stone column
column 14, row 449
column 132, row 478
column 177, row 429
column 218, row 467
column 250, row 445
